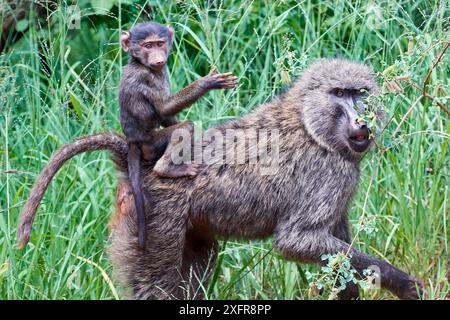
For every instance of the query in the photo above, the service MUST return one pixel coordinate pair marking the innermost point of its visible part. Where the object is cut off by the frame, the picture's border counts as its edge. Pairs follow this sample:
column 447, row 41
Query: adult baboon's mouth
column 359, row 140
column 359, row 137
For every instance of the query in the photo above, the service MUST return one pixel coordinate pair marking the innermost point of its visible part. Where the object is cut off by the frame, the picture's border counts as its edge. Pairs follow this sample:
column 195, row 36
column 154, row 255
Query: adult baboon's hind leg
column 199, row 260
column 156, row 272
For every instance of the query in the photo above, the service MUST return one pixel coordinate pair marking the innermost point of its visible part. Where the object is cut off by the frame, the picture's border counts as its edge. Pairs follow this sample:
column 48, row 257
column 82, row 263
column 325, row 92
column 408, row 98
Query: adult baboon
column 303, row 204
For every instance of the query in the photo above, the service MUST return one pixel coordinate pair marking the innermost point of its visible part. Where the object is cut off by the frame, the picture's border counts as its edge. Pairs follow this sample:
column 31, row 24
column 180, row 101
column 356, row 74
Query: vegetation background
column 59, row 77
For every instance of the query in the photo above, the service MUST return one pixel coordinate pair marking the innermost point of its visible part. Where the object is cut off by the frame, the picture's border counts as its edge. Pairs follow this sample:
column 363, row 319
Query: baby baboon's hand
column 216, row 80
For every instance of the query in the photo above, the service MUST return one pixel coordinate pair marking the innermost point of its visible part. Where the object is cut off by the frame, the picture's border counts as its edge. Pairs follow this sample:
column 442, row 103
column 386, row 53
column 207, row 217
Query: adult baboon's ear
column 125, row 41
column 171, row 32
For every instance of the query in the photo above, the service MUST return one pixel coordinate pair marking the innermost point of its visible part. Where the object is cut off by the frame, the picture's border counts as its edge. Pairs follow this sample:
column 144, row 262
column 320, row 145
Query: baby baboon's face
column 149, row 43
column 334, row 104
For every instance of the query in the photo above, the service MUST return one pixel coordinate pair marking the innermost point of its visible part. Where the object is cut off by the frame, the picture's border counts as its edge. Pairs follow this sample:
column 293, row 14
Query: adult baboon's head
column 334, row 101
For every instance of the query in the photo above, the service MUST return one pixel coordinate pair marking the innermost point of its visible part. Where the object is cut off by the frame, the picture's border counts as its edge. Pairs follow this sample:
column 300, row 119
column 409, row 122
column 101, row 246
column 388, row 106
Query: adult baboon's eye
column 339, row 93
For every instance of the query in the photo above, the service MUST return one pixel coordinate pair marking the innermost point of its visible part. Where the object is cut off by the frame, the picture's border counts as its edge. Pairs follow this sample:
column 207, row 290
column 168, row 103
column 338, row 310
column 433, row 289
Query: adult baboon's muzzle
column 359, row 139
column 358, row 133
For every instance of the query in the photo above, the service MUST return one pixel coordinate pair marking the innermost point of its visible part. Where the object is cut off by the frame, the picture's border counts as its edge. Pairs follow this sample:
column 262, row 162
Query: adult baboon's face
column 335, row 102
column 347, row 108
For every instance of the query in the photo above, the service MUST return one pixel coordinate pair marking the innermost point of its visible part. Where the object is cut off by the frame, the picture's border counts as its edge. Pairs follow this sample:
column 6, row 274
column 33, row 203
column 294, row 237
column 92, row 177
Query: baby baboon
column 303, row 204
column 146, row 104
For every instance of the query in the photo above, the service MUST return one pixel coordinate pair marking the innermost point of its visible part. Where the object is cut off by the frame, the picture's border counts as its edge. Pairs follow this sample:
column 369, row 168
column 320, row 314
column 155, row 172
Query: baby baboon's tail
column 102, row 141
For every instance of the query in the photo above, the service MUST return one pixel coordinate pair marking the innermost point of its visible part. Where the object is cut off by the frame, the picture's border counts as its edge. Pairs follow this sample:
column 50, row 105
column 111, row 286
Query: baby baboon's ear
column 125, row 41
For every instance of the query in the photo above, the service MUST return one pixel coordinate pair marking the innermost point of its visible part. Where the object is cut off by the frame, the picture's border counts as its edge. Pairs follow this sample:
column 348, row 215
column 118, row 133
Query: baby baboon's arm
column 185, row 97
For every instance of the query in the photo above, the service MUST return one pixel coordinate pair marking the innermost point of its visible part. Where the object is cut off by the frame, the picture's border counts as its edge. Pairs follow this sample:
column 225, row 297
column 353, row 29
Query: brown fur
column 303, row 206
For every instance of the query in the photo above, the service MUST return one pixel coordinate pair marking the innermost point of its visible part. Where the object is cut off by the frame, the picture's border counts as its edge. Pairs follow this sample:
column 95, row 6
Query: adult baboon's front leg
column 342, row 232
column 309, row 246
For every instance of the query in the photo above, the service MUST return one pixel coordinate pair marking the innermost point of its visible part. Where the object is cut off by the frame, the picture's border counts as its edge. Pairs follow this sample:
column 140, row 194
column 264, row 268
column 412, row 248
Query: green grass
column 263, row 43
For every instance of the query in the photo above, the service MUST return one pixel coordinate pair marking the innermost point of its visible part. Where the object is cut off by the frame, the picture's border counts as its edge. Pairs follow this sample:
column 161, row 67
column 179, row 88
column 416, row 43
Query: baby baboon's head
column 149, row 43
column 334, row 103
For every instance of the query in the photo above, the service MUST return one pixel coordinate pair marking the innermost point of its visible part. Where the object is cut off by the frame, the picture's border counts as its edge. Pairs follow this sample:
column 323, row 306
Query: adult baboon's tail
column 102, row 141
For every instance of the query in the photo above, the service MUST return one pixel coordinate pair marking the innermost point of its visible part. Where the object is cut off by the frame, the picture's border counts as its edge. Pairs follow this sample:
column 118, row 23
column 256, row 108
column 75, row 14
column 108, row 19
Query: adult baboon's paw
column 410, row 289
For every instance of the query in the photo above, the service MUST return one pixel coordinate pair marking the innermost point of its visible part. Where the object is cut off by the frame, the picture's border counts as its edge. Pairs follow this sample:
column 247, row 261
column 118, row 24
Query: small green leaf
column 22, row 25
column 76, row 105
column 389, row 70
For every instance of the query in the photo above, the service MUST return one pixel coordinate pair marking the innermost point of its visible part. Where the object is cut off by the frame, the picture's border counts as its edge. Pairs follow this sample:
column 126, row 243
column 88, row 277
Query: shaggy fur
column 303, row 206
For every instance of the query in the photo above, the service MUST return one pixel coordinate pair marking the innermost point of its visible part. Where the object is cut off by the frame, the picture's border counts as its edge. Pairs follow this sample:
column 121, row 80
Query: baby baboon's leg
column 199, row 260
column 165, row 166
column 155, row 273
column 149, row 152
column 342, row 231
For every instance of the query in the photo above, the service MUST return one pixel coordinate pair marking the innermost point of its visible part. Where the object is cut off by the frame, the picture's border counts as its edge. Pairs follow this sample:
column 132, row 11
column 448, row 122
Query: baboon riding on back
column 303, row 205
